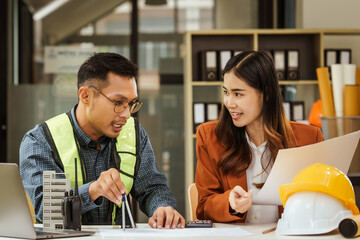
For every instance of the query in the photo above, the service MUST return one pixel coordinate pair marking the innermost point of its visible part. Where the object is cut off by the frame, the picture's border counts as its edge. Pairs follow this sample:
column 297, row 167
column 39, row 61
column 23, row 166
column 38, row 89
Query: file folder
column 294, row 111
column 224, row 58
column 212, row 111
column 293, row 65
column 297, row 111
column 330, row 57
column 279, row 61
column 345, row 56
column 209, row 69
column 199, row 115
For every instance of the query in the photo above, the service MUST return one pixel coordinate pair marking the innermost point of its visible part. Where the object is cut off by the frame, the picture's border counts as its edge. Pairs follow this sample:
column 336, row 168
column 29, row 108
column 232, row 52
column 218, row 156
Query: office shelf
column 310, row 43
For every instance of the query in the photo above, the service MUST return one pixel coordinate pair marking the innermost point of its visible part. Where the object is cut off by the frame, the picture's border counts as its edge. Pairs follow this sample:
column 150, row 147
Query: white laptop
column 15, row 217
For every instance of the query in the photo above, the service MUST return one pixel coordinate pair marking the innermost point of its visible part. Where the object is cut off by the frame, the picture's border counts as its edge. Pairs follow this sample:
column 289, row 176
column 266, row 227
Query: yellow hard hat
column 322, row 178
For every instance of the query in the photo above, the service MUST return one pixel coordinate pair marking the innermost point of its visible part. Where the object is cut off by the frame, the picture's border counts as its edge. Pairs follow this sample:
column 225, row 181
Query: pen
column 269, row 230
column 129, row 212
column 126, row 205
column 123, row 212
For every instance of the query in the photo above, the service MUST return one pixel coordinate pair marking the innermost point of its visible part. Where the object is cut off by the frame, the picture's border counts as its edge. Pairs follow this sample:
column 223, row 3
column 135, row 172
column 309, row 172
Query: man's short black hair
column 98, row 65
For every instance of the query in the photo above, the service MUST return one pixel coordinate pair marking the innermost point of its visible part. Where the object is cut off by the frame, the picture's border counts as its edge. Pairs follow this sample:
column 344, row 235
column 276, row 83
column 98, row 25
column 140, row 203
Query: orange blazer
column 213, row 186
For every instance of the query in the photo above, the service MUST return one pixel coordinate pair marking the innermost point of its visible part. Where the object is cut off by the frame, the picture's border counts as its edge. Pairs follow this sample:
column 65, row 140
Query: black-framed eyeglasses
column 120, row 106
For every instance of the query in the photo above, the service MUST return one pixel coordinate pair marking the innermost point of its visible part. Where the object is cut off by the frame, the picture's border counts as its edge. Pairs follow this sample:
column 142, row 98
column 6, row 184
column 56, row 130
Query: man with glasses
column 115, row 153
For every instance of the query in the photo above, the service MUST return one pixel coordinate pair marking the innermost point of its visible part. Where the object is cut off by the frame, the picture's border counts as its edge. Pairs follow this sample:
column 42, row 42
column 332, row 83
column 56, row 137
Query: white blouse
column 256, row 174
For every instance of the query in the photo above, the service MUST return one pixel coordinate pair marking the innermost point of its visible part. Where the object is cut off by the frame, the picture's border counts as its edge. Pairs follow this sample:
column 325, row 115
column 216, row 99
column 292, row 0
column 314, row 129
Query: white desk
column 256, row 229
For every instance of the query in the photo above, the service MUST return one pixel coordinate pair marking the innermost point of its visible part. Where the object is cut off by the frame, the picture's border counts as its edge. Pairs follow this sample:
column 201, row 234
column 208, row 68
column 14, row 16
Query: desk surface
column 255, row 229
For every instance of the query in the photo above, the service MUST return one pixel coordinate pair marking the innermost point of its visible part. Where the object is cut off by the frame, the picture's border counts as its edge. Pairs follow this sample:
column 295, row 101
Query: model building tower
column 54, row 187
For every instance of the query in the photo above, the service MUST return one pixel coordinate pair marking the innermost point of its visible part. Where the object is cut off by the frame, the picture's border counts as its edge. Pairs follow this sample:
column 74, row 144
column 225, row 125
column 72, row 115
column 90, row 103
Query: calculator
column 199, row 224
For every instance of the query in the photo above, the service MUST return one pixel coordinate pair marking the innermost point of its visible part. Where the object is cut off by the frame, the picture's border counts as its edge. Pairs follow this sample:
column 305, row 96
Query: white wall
column 328, row 14
column 333, row 14
column 236, row 14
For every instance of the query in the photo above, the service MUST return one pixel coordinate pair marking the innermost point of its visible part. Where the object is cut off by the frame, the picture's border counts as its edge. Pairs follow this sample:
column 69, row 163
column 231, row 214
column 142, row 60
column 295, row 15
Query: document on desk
column 174, row 233
column 337, row 152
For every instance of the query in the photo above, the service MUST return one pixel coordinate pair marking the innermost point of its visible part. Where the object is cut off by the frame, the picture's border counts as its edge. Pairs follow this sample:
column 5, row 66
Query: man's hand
column 239, row 199
column 108, row 185
column 166, row 217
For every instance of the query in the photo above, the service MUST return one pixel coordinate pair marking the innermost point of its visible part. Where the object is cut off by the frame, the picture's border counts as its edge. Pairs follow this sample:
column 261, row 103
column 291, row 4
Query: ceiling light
column 49, row 8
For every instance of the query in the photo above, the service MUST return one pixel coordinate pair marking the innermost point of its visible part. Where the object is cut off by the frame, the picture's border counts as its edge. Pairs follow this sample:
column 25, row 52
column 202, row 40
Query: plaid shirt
column 150, row 186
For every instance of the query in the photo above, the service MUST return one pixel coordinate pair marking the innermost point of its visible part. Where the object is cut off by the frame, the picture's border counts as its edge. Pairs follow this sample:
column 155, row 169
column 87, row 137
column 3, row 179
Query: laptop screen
column 15, row 216
column 14, row 209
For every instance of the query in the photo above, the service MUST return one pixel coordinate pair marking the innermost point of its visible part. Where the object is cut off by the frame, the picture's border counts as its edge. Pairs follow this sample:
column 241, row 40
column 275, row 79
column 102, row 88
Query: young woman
column 235, row 154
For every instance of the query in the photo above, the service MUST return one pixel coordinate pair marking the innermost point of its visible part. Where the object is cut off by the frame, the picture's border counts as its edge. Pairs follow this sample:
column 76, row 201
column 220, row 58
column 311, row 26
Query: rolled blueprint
column 352, row 100
column 338, row 94
column 350, row 227
column 338, row 88
column 351, row 91
column 326, row 95
column 348, row 71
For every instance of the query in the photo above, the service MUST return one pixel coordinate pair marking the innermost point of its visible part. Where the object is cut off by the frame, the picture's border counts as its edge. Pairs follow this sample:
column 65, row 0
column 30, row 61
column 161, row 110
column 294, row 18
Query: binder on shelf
column 224, row 57
column 208, row 63
column 297, row 111
column 330, row 57
column 334, row 56
column 279, row 61
column 212, row 111
column 294, row 111
column 199, row 115
column 344, row 56
column 293, row 65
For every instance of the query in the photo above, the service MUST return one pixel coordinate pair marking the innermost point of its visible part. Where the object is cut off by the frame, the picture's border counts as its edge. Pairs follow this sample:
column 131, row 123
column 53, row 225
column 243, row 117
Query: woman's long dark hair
column 257, row 69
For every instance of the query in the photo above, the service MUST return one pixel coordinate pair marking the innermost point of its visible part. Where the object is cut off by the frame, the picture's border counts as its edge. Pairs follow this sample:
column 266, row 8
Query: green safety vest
column 60, row 135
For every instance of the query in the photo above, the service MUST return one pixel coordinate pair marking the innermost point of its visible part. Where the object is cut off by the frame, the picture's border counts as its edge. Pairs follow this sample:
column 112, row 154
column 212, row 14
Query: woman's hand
column 240, row 200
